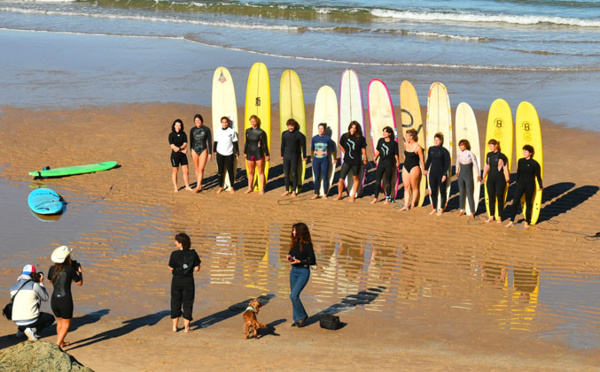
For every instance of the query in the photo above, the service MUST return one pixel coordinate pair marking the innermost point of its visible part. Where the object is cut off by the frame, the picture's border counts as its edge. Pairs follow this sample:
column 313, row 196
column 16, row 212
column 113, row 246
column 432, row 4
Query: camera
column 75, row 264
column 37, row 277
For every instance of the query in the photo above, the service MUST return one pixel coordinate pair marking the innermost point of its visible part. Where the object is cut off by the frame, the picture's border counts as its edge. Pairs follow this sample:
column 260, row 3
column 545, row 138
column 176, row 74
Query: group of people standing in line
column 29, row 292
column 353, row 146
column 184, row 262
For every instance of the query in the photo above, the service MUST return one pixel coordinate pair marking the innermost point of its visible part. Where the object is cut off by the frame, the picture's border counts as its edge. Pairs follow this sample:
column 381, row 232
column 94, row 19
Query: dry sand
column 443, row 299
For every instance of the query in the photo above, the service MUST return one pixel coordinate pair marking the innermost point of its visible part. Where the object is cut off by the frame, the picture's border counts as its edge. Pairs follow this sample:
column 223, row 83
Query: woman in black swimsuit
column 62, row 274
column 201, row 144
column 412, row 169
column 256, row 152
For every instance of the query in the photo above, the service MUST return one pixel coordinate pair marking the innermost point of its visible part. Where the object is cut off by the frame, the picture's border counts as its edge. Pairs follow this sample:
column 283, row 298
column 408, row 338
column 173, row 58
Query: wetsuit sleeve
column 538, row 173
column 209, row 141
column 283, row 143
column 446, row 161
column 520, row 166
column 312, row 145
column 171, row 139
column 246, row 143
column 77, row 277
column 215, row 146
column 263, row 137
column 172, row 260
column 303, row 139
column 192, row 142
column 197, row 260
column 428, row 162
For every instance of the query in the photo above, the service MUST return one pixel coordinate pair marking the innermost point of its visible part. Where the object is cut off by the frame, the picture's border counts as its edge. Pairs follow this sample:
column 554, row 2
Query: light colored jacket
column 26, row 305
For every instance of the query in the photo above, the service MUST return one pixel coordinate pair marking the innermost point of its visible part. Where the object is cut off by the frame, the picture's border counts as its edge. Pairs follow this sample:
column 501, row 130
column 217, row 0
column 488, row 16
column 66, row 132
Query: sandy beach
column 416, row 292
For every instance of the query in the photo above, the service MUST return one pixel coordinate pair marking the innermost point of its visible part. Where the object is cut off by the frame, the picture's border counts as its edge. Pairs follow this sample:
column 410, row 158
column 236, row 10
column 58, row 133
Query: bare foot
column 189, row 188
column 325, row 196
column 65, row 343
column 231, row 191
column 285, row 194
column 220, row 190
column 339, row 197
column 351, row 199
column 197, row 190
column 248, row 191
column 175, row 329
column 316, row 196
column 510, row 224
column 440, row 212
column 525, row 225
column 176, row 190
column 294, row 194
column 461, row 213
column 261, row 193
column 489, row 219
column 432, row 212
column 374, row 201
column 499, row 220
column 387, row 201
column 187, row 330
column 405, row 208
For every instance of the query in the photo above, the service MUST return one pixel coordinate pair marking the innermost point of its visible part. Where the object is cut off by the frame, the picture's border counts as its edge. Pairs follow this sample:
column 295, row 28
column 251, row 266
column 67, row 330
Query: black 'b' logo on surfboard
column 257, row 102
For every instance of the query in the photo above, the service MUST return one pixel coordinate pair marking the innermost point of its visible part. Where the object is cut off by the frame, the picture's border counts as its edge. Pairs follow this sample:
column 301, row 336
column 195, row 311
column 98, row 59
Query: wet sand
column 416, row 291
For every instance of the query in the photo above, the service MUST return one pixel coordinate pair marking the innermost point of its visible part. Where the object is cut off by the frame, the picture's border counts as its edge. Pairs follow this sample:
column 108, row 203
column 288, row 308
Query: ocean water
column 543, row 51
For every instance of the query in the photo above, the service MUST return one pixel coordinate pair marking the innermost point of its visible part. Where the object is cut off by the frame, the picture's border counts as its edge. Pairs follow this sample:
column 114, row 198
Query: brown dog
column 251, row 325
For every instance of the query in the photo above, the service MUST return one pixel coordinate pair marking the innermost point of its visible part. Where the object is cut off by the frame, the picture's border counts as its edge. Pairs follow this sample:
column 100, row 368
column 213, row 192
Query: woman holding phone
column 301, row 256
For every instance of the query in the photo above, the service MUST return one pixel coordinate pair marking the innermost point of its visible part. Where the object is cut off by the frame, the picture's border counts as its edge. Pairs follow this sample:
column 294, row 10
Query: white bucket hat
column 60, row 254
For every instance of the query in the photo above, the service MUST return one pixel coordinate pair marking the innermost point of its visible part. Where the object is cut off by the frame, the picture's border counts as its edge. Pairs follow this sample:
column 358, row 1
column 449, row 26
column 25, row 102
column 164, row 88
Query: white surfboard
column 224, row 104
column 351, row 108
column 465, row 127
column 439, row 119
column 326, row 111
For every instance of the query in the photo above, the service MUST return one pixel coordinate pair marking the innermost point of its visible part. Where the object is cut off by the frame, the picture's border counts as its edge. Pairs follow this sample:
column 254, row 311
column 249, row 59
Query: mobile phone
column 291, row 259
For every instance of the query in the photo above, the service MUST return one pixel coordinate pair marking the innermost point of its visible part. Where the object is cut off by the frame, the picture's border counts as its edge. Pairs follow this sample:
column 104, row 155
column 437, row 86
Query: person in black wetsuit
column 496, row 170
column 178, row 143
column 412, row 169
column 301, row 256
column 528, row 171
column 438, row 168
column 354, row 150
column 184, row 262
column 62, row 274
column 386, row 152
column 256, row 153
column 293, row 145
column 226, row 147
column 201, row 144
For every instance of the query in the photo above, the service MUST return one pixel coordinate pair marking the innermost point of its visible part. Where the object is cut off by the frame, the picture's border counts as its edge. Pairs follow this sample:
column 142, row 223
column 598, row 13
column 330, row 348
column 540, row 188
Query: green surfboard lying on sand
column 77, row 169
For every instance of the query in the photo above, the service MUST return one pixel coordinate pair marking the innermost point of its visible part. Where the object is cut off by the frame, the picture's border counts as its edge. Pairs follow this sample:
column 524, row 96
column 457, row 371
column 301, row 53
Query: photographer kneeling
column 29, row 292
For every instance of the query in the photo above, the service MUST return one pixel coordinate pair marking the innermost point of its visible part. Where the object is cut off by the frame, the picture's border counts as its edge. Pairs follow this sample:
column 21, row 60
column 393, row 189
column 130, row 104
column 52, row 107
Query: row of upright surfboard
column 338, row 114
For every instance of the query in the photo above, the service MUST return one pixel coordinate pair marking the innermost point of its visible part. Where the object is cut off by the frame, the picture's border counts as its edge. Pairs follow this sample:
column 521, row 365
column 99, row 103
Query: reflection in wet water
column 514, row 292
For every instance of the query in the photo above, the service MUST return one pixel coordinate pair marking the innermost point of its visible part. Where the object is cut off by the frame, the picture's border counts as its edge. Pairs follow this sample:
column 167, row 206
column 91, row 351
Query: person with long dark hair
column 301, row 256
column 496, row 171
column 201, row 144
column 226, row 147
column 64, row 272
column 437, row 168
column 256, row 152
column 386, row 152
column 184, row 262
column 354, row 149
column 528, row 170
column 178, row 142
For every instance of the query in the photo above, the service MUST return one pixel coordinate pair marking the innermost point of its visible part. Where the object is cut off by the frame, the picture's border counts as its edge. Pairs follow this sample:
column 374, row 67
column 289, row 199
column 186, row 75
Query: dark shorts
column 62, row 307
column 346, row 168
column 178, row 158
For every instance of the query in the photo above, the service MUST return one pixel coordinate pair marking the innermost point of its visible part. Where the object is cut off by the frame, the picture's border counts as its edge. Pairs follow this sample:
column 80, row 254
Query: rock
column 38, row 356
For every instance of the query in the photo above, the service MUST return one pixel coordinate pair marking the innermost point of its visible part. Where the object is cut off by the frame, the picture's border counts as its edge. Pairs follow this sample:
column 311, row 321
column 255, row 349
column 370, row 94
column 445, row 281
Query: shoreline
column 444, row 311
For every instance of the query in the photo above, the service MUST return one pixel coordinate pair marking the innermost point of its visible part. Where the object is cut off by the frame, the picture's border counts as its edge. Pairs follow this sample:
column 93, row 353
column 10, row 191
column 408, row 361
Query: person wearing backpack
column 27, row 296
column 183, row 263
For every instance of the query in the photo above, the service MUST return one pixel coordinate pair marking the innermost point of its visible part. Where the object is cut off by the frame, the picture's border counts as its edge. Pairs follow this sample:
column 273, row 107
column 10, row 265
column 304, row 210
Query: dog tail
column 261, row 325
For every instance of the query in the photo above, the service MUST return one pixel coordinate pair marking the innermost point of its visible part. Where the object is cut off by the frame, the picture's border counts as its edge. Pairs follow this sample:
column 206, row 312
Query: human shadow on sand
column 128, row 327
column 231, row 311
column 568, row 201
column 349, row 302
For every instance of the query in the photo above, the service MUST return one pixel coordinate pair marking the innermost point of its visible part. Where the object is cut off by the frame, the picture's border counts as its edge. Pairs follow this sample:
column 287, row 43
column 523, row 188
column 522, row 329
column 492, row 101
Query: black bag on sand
column 330, row 321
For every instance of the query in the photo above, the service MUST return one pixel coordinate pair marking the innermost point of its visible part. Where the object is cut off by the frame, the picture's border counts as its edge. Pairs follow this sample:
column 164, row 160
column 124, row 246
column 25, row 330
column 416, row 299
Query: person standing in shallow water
column 183, row 263
column 201, row 144
column 301, row 256
column 527, row 172
column 178, row 143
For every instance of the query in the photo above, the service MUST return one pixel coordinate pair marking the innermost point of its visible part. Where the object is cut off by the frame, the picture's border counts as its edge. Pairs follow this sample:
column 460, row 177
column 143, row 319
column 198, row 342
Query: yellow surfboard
column 500, row 128
column 258, row 102
column 528, row 132
column 291, row 106
column 411, row 118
